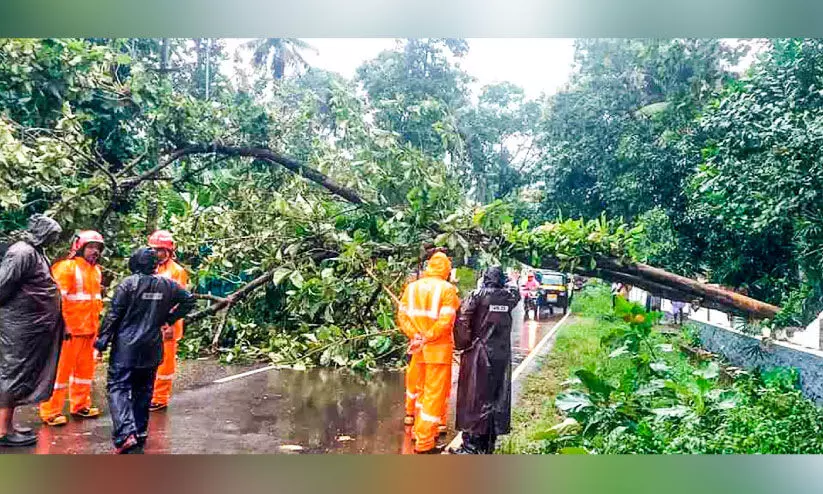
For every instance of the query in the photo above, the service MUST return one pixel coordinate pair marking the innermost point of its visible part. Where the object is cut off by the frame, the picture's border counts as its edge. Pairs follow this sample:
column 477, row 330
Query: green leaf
column 709, row 372
column 660, row 366
column 573, row 451
column 671, row 412
column 594, row 384
column 572, row 402
column 385, row 321
column 296, row 279
column 279, row 275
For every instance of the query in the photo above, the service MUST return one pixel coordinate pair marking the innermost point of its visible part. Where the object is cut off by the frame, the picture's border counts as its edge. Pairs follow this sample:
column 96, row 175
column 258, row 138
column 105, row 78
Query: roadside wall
column 717, row 335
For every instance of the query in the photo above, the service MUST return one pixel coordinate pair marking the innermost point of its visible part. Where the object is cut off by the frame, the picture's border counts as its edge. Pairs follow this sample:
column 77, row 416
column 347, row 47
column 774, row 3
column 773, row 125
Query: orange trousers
column 431, row 404
column 75, row 372
column 414, row 388
column 165, row 373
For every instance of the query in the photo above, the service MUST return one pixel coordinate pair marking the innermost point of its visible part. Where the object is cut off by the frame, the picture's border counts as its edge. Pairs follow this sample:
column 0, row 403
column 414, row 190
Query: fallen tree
column 608, row 267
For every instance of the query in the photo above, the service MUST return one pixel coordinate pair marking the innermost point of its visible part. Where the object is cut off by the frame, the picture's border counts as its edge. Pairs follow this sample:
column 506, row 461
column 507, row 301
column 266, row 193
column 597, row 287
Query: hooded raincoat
column 483, row 334
column 31, row 323
column 427, row 310
column 142, row 303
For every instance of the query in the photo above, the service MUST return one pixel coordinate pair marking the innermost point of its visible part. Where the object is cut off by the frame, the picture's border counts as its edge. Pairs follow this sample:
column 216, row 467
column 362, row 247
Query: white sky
column 537, row 65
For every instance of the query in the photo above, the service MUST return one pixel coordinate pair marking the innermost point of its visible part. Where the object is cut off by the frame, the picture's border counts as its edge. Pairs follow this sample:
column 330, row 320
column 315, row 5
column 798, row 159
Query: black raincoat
column 31, row 321
column 483, row 334
column 142, row 303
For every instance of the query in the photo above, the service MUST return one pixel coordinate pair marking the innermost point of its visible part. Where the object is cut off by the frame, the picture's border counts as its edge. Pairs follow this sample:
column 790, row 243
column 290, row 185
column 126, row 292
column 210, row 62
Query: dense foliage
column 639, row 391
column 307, row 179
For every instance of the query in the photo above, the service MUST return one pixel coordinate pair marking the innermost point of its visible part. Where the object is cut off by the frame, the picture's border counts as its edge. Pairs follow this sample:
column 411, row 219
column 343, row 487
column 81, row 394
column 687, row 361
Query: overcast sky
column 537, row 65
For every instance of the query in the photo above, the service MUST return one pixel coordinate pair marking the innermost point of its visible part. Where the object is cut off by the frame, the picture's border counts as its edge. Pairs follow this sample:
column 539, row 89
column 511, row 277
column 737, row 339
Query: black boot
column 14, row 439
column 434, row 451
column 472, row 445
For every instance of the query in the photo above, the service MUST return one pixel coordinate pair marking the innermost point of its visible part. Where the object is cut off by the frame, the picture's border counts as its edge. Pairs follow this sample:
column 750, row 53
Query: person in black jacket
column 483, row 335
column 143, row 306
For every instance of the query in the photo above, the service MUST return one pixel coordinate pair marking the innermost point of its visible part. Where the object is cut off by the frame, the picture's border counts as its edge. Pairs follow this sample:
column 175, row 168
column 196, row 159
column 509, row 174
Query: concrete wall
column 737, row 348
column 718, row 335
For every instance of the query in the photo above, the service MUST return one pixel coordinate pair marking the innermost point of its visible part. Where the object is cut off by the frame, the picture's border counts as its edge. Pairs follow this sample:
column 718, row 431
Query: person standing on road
column 163, row 242
column 483, row 335
column 80, row 281
column 427, row 313
column 31, row 327
column 143, row 307
column 414, row 377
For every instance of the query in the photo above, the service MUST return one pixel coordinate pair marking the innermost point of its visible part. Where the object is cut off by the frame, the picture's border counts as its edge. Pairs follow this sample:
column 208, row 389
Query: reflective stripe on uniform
column 418, row 405
column 78, row 297
column 75, row 380
column 79, row 294
column 432, row 312
column 165, row 377
column 412, row 396
column 60, row 386
column 429, row 418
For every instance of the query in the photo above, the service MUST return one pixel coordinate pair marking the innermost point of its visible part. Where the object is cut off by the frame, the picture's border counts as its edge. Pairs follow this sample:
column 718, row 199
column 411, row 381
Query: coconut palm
column 278, row 53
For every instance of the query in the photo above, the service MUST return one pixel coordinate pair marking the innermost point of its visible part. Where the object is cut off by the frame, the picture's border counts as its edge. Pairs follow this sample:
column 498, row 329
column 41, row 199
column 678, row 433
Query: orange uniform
column 165, row 373
column 80, row 284
column 428, row 309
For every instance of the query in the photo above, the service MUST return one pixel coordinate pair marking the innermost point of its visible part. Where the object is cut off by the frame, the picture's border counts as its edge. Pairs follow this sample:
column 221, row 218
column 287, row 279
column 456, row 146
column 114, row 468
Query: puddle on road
column 282, row 411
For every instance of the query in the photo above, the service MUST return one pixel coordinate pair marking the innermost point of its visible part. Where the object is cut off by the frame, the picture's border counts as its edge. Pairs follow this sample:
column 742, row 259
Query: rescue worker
column 31, row 327
column 483, row 335
column 163, row 242
column 143, row 305
column 427, row 313
column 80, row 281
column 414, row 382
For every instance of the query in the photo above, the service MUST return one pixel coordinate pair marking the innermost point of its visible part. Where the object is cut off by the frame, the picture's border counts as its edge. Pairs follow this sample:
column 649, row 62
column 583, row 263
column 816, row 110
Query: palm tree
column 278, row 53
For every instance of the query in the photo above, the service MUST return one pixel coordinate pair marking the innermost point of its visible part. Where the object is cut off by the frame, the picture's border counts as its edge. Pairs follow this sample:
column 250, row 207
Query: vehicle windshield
column 551, row 279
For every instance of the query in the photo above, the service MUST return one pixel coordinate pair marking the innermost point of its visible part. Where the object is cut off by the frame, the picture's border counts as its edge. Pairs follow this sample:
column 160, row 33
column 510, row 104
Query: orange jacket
column 176, row 273
column 81, row 286
column 429, row 308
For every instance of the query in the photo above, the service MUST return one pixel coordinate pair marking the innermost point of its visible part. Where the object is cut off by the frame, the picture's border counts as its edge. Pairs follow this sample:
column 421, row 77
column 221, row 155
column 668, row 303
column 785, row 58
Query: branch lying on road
column 247, row 289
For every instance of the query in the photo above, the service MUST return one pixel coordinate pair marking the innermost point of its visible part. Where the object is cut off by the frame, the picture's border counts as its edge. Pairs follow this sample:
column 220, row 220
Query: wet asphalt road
column 277, row 411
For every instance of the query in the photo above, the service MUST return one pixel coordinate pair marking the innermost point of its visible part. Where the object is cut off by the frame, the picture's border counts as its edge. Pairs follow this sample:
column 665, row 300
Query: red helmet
column 83, row 238
column 161, row 239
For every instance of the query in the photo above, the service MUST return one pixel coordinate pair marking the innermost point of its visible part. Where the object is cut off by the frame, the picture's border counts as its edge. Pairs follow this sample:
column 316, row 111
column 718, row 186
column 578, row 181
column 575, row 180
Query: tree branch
column 270, row 156
column 247, row 289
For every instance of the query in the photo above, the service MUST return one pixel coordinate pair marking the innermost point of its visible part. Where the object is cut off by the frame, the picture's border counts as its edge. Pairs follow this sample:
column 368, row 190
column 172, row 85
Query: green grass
column 768, row 413
column 577, row 347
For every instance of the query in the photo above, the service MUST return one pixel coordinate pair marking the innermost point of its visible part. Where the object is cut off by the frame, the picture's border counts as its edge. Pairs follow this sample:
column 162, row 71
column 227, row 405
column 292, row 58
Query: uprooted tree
column 282, row 194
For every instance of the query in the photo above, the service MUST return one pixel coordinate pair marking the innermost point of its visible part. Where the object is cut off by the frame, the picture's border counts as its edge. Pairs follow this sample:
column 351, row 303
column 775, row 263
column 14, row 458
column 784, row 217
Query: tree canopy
column 284, row 190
